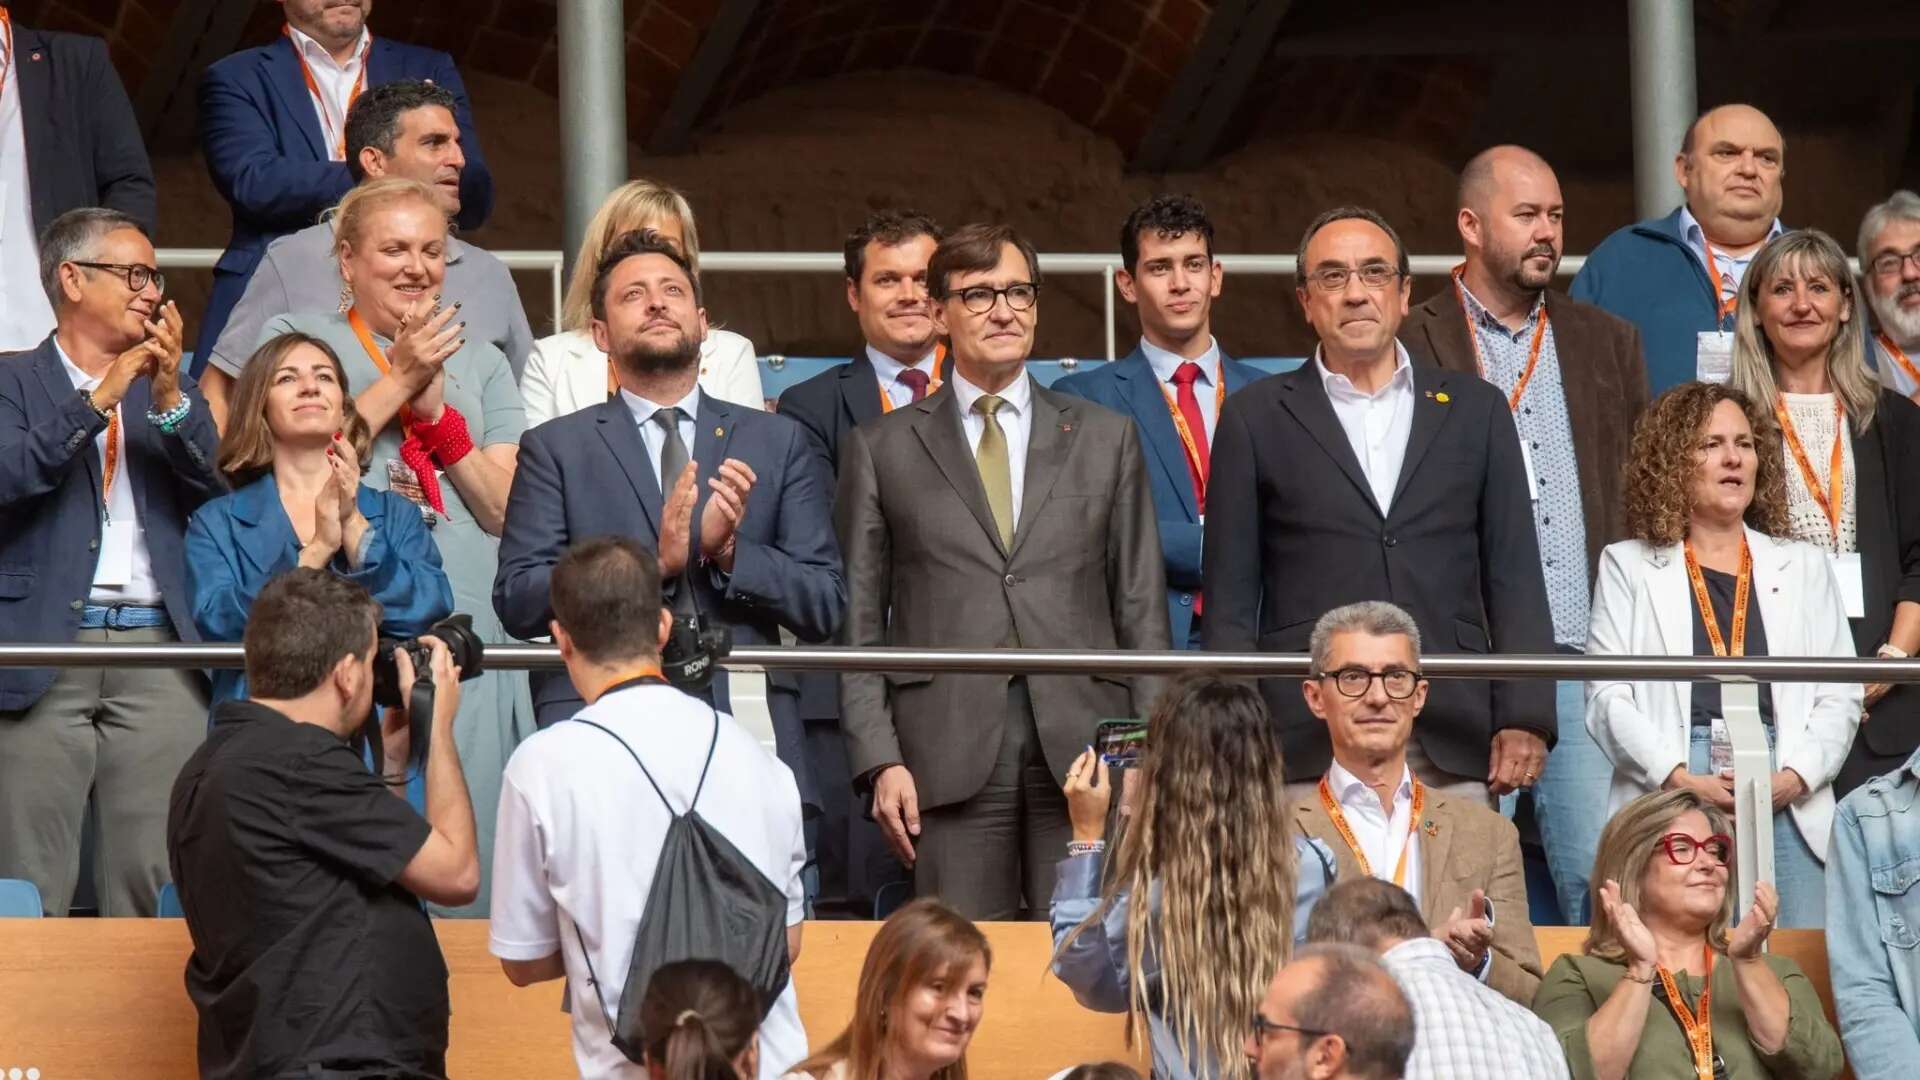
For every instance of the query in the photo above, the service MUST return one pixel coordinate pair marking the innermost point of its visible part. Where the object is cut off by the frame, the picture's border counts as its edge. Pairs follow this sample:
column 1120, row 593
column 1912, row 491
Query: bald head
column 1481, row 177
column 1357, row 1023
column 1510, row 222
column 1730, row 165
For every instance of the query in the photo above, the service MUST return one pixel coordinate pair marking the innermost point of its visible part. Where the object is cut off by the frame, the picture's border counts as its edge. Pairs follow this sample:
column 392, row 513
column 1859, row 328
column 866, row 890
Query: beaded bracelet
column 1085, row 847
column 171, row 420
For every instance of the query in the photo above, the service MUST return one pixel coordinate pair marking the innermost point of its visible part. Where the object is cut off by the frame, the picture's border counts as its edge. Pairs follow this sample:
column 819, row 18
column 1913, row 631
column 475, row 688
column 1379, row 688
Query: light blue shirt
column 1726, row 270
column 1873, row 922
column 1166, row 363
column 654, row 435
column 886, row 371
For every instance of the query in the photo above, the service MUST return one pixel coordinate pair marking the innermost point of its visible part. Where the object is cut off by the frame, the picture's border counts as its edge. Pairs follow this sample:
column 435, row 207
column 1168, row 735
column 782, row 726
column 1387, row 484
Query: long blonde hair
column 1629, row 843
column 1212, row 831
column 1805, row 253
column 632, row 206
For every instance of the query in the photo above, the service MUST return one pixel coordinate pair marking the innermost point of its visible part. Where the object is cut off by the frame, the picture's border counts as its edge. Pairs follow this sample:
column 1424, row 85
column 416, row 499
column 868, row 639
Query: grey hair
column 1368, row 912
column 1900, row 206
column 1375, row 618
column 1358, row 1000
column 71, row 238
column 1348, row 213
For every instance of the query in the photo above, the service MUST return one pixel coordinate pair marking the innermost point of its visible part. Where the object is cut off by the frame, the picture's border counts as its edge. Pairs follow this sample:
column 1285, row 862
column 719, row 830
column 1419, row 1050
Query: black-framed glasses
column 1263, row 1026
column 1353, row 682
column 1374, row 275
column 136, row 275
column 980, row 299
column 1889, row 263
column 1682, row 849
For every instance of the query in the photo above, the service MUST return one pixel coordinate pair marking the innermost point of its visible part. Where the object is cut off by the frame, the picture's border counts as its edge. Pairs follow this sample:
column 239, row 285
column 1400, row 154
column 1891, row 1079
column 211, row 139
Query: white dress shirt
column 1381, row 837
column 1016, row 422
column 1377, row 424
column 654, row 436
column 26, row 318
column 886, row 370
column 1727, row 270
column 335, row 81
column 1461, row 1027
column 1204, row 388
column 132, row 581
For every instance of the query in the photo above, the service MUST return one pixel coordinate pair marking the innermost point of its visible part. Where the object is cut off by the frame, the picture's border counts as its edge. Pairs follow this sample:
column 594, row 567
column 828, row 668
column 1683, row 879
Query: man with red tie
column 1173, row 383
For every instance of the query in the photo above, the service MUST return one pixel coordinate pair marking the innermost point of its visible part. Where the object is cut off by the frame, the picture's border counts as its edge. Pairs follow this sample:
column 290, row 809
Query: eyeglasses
column 1262, row 1026
column 1888, row 263
column 1682, row 849
column 1353, row 682
column 1333, row 279
column 134, row 274
column 980, row 299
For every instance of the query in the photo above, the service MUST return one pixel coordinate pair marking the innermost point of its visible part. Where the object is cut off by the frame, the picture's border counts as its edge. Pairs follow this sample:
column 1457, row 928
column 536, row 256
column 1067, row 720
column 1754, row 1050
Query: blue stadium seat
column 19, row 899
column 168, row 906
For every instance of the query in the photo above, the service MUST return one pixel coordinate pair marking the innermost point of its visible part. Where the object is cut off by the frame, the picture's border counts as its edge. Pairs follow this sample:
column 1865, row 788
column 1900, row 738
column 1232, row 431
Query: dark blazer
column 925, row 568
column 1294, row 532
column 1886, row 462
column 827, row 406
column 587, row 474
column 1129, row 387
column 1602, row 374
column 83, row 142
column 269, row 160
column 50, row 501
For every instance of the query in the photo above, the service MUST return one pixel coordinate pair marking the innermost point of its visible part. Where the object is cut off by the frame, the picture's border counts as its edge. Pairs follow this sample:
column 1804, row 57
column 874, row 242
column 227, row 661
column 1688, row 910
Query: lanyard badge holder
column 1752, row 787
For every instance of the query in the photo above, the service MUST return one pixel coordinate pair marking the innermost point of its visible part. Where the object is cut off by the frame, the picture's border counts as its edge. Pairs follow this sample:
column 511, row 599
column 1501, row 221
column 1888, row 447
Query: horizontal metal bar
column 1079, row 662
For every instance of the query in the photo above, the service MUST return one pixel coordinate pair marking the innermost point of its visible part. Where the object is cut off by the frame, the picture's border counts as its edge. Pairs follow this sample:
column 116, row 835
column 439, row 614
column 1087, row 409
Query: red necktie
column 1189, row 406
column 915, row 380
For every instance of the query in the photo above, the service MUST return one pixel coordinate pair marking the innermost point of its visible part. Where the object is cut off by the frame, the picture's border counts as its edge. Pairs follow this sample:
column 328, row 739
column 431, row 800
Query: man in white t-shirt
column 579, row 831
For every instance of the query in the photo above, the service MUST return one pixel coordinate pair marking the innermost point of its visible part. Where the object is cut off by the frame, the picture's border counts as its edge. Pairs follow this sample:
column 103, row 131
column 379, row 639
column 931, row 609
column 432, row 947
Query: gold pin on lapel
column 717, row 432
column 1430, row 828
column 1442, row 397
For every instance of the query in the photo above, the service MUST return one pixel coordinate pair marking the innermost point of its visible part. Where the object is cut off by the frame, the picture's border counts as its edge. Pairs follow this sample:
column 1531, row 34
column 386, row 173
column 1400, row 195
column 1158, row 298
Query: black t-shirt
column 284, row 847
column 1720, row 592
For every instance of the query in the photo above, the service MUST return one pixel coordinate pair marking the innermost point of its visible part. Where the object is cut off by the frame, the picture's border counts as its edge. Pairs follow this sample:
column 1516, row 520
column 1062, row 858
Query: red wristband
column 446, row 439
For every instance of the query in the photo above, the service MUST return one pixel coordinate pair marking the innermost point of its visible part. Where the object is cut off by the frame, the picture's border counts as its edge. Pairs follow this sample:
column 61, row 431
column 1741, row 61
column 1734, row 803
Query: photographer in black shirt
column 302, row 871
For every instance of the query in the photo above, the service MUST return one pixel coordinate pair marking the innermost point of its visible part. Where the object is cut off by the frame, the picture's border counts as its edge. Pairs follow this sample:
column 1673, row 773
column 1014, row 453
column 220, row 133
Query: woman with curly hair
column 1711, row 571
column 1224, row 894
column 1853, row 463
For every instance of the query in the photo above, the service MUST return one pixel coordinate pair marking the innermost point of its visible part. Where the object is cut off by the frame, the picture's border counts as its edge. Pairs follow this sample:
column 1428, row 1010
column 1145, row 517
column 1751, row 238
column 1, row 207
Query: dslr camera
column 466, row 650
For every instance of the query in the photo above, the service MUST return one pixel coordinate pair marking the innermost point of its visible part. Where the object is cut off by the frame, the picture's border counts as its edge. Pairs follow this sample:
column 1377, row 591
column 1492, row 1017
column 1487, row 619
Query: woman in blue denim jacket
column 1873, row 923
column 1228, row 888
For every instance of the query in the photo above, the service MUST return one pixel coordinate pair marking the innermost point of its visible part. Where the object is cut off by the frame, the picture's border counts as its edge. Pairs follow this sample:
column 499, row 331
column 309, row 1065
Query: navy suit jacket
column 587, row 474
column 83, row 142
column 50, row 501
column 269, row 159
column 1129, row 387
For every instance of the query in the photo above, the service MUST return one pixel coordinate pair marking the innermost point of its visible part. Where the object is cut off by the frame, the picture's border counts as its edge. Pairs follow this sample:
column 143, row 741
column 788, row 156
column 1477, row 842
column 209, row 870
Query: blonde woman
column 1800, row 350
column 1206, row 896
column 566, row 372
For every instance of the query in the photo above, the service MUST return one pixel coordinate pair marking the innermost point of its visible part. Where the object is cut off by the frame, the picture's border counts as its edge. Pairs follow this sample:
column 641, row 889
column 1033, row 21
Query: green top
column 1576, row 986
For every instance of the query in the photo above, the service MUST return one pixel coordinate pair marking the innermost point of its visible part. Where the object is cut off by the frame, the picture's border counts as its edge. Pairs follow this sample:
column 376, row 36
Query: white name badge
column 1713, row 358
column 1847, row 575
column 115, row 566
column 1533, row 481
column 1720, row 754
column 402, row 482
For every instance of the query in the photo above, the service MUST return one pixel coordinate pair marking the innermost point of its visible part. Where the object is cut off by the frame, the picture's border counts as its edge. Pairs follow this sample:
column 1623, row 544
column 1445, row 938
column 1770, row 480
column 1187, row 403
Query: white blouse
column 1815, row 422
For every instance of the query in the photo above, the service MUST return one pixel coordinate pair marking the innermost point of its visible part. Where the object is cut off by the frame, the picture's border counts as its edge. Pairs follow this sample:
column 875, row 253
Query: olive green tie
column 995, row 474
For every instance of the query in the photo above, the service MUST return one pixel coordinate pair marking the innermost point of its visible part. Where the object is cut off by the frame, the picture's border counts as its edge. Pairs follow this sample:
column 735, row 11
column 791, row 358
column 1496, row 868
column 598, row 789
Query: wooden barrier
column 82, row 999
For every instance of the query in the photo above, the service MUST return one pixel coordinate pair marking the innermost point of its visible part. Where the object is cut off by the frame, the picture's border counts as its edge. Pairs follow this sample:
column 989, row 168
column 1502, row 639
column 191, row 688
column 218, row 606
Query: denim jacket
column 1873, row 923
column 1095, row 968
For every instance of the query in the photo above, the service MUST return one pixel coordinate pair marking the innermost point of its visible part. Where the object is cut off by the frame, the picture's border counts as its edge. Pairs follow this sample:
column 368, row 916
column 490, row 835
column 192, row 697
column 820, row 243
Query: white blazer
column 1643, row 606
column 566, row 373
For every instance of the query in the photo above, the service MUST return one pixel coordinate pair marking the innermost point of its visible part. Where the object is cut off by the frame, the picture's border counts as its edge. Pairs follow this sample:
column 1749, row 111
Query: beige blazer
column 566, row 373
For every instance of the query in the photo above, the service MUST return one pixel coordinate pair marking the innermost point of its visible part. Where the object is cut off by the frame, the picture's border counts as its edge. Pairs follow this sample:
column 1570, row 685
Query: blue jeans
column 1797, row 872
column 1570, row 803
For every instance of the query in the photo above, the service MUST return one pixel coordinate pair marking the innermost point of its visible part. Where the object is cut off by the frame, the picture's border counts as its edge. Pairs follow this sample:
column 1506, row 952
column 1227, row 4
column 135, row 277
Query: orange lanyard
column 112, row 464
column 1340, row 825
column 933, row 381
column 1187, row 438
column 1834, row 496
column 1899, row 357
column 644, row 671
column 1743, row 586
column 379, row 358
column 1480, row 363
column 336, row 142
column 1729, row 302
column 6, row 60
column 1699, row 1029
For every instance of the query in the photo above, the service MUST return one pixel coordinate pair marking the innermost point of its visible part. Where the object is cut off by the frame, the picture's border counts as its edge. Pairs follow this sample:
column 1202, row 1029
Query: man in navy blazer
column 766, row 556
column 277, row 149
column 1173, row 383
column 105, row 450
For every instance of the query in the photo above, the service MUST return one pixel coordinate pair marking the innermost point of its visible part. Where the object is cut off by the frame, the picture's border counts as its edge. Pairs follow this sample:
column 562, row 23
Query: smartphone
column 1120, row 742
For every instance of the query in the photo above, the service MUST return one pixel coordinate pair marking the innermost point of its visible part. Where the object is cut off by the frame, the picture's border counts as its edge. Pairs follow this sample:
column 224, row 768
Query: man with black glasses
column 1458, row 859
column 1363, row 476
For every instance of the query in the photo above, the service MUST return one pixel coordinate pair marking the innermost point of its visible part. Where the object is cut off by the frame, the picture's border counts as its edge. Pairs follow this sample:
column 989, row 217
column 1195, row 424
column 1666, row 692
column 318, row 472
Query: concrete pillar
column 1660, row 36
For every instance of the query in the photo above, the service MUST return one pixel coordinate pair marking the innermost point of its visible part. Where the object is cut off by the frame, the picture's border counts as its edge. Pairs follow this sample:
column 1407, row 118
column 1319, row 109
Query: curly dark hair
column 1170, row 217
column 1660, row 466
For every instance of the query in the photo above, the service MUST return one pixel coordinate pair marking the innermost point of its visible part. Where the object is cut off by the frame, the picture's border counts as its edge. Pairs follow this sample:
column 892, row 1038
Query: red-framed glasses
column 1682, row 849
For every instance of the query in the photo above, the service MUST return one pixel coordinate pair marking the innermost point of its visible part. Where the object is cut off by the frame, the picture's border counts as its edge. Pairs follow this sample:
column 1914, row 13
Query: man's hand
column 726, row 508
column 676, row 524
column 1717, row 790
column 1468, row 934
column 446, row 688
column 1787, row 786
column 896, row 806
column 126, row 368
column 1518, row 756
column 167, row 333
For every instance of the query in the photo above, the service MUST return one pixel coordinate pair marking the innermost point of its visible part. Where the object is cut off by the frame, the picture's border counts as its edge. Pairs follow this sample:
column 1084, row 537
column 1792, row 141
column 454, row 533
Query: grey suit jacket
column 925, row 567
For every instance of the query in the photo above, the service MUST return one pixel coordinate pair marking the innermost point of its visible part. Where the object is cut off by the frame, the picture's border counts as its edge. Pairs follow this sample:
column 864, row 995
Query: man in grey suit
column 991, row 514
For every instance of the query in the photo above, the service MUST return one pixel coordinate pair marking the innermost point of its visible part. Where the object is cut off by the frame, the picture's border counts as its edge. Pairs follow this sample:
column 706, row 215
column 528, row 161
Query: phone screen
column 1120, row 742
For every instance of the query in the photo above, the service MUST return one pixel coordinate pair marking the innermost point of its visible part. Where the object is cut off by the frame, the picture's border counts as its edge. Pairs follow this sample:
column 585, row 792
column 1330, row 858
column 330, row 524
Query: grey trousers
column 994, row 853
column 122, row 735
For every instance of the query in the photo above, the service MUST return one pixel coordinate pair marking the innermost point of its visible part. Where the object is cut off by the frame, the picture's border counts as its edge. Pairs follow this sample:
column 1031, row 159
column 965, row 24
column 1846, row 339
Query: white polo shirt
column 579, row 832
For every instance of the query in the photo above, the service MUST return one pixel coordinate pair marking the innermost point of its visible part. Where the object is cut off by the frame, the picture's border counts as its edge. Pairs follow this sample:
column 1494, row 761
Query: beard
column 642, row 357
column 1524, row 276
column 1900, row 324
